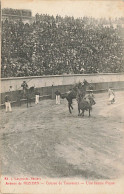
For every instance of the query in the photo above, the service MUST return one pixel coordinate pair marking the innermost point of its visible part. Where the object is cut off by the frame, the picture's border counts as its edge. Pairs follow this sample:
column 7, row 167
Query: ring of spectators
column 61, row 45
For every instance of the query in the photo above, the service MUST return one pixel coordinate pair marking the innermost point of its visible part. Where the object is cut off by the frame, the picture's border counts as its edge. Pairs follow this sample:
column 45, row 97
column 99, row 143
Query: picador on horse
column 85, row 101
column 78, row 92
column 27, row 93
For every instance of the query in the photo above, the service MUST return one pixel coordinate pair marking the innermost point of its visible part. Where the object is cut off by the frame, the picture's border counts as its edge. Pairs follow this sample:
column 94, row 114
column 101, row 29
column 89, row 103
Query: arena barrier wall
column 47, row 85
column 58, row 80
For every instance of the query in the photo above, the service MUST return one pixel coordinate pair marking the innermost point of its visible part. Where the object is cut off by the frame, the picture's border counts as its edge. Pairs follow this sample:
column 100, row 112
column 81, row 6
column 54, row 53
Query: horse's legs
column 30, row 102
column 27, row 102
column 89, row 112
column 78, row 110
column 20, row 103
column 82, row 114
column 69, row 107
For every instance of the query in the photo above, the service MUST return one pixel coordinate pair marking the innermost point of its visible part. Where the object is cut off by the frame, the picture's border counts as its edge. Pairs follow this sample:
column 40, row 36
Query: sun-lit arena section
column 45, row 56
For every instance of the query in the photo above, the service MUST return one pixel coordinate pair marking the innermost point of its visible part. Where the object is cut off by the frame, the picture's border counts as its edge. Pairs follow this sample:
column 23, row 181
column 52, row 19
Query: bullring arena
column 47, row 141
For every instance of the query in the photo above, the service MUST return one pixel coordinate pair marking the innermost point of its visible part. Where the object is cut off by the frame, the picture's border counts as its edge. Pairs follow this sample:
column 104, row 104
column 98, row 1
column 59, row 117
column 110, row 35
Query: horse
column 85, row 104
column 28, row 94
column 79, row 89
column 69, row 97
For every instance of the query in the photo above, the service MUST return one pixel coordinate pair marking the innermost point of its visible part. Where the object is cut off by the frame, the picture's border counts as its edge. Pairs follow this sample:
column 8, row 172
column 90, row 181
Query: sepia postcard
column 62, row 97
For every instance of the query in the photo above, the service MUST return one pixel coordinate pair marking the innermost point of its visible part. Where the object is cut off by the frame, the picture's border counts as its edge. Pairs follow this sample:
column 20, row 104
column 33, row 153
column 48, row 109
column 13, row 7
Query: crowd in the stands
column 61, row 45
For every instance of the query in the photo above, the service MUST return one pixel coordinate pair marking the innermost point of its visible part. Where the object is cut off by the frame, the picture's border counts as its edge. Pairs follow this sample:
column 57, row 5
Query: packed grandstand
column 62, row 45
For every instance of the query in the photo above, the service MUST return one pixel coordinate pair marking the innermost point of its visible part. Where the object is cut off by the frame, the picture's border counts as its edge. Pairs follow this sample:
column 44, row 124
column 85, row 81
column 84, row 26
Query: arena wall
column 59, row 80
column 47, row 85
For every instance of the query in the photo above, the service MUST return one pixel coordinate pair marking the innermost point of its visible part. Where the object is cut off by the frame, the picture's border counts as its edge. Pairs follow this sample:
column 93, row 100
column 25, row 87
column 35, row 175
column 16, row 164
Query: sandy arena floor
column 45, row 140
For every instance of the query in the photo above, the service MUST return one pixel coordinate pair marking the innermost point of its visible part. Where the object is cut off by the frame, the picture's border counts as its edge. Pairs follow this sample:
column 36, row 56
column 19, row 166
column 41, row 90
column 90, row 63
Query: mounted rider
column 24, row 85
column 81, row 93
column 81, row 89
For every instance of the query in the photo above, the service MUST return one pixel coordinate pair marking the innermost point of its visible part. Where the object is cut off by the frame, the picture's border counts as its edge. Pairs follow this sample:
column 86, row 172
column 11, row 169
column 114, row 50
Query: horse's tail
column 31, row 89
column 63, row 96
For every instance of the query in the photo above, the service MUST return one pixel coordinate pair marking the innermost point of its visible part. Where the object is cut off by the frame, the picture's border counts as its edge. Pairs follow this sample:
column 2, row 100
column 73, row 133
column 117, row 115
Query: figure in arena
column 58, row 94
column 90, row 97
column 111, row 95
column 37, row 97
column 8, row 103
